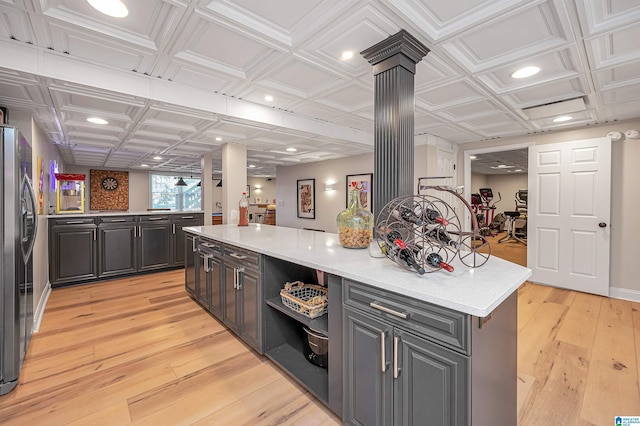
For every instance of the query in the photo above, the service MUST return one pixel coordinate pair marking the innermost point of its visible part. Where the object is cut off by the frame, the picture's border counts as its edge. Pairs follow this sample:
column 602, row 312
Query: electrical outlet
column 281, row 203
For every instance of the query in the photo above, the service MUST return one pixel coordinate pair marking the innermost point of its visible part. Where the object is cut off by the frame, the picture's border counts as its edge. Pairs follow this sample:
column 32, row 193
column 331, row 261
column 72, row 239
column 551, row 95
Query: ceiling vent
column 554, row 109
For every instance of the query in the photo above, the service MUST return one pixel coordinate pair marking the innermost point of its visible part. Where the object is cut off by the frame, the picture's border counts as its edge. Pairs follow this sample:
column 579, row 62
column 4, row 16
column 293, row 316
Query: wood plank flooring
column 140, row 351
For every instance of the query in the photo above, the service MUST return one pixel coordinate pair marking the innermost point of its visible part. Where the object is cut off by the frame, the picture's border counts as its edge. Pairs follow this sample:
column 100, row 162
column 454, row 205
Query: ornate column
column 394, row 66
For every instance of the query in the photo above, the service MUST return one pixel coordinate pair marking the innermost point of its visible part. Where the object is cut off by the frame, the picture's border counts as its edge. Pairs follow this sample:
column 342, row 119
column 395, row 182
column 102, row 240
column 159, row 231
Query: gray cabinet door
column 179, row 236
column 216, row 291
column 230, row 314
column 73, row 253
column 154, row 245
column 190, row 273
column 203, row 286
column 431, row 385
column 250, row 287
column 368, row 375
column 117, row 253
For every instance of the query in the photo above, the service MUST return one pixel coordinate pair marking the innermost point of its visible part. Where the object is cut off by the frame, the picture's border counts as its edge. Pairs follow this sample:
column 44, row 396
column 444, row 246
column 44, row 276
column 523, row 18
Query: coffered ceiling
column 180, row 78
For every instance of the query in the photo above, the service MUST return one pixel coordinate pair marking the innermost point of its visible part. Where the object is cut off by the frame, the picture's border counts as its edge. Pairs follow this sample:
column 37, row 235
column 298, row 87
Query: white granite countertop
column 476, row 291
column 120, row 213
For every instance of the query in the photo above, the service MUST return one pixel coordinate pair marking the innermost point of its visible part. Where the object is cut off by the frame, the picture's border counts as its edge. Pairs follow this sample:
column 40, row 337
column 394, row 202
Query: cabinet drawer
column 447, row 327
column 74, row 221
column 153, row 218
column 196, row 217
column 247, row 258
column 117, row 219
column 210, row 247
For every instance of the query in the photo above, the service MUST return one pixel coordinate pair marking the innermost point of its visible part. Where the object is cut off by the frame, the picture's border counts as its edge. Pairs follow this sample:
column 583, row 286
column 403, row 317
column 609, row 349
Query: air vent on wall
column 556, row 108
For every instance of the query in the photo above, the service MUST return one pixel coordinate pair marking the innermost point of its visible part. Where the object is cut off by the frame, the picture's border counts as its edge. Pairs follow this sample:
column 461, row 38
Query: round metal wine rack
column 427, row 224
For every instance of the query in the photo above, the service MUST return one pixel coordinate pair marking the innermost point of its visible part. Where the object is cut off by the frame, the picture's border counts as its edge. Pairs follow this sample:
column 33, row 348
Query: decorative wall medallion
column 110, row 183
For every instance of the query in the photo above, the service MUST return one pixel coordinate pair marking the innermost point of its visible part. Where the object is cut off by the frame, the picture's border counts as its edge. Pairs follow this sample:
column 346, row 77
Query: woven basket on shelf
column 307, row 299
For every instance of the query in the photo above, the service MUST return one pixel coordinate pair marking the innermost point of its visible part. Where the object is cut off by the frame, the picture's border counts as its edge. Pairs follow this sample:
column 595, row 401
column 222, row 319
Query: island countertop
column 474, row 291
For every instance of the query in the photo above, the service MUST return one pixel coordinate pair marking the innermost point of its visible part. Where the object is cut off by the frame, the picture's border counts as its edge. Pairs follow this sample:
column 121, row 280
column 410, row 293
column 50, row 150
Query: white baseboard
column 37, row 315
column 624, row 293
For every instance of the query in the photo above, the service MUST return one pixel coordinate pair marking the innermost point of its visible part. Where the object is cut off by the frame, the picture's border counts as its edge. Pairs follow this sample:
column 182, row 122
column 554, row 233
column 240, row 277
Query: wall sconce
column 329, row 186
column 258, row 188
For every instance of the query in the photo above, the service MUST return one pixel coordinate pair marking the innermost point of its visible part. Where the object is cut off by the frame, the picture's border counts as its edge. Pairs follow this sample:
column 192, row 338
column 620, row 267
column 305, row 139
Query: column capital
column 400, row 49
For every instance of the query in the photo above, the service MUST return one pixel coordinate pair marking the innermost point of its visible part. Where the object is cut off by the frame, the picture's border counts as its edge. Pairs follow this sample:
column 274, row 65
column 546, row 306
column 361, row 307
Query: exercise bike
column 484, row 207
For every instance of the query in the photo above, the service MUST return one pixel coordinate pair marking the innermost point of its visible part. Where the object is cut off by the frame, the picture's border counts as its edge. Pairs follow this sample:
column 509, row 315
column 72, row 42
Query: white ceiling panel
column 203, row 67
column 488, row 44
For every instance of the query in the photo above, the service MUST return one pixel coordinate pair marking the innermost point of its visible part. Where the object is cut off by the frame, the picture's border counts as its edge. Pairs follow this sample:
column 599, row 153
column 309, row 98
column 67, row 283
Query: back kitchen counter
column 96, row 246
column 401, row 346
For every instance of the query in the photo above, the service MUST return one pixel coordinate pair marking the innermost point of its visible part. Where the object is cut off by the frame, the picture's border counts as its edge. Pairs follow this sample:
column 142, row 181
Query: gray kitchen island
column 403, row 348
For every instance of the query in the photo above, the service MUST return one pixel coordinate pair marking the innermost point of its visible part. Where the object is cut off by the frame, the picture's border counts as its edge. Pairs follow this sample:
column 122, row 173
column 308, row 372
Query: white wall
column 478, row 180
column 625, row 193
column 507, row 185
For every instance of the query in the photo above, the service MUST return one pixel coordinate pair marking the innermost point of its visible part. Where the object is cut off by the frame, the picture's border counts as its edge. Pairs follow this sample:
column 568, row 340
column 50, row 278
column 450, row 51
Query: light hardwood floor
column 140, row 351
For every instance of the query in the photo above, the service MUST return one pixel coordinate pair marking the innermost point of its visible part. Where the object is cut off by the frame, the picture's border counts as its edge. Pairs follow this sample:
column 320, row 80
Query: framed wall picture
column 364, row 183
column 306, row 198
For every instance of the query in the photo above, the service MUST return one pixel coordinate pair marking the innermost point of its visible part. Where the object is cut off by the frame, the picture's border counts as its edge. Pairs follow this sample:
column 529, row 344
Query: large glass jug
column 355, row 224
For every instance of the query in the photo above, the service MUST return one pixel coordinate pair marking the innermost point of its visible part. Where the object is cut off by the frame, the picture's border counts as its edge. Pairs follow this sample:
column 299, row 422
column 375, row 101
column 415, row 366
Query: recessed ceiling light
column 268, row 98
column 525, row 72
column 502, row 166
column 562, row 118
column 218, row 138
column 251, row 166
column 346, row 55
column 115, row 8
column 144, row 165
column 517, row 170
column 96, row 120
column 157, row 157
column 473, row 157
column 291, row 149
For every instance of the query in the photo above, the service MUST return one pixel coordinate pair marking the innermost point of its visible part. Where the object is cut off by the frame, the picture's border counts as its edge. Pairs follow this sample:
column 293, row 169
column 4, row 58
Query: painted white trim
column 37, row 315
column 624, row 293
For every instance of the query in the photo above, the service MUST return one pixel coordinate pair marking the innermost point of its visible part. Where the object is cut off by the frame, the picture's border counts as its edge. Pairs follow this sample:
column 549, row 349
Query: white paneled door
column 569, row 213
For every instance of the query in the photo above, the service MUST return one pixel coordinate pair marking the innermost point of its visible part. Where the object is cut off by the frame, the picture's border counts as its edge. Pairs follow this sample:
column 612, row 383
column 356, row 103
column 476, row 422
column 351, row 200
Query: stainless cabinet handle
column 395, row 356
column 193, row 244
column 94, row 235
column 389, row 311
column 207, row 265
column 187, row 217
column 174, row 228
column 235, row 278
column 240, row 271
column 118, row 220
column 382, row 356
column 140, row 231
column 156, row 218
column 209, row 245
column 237, row 256
column 73, row 222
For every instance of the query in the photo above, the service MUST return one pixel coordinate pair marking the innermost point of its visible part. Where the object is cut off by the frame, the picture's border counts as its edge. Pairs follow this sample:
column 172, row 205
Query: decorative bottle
column 355, row 224
column 243, row 207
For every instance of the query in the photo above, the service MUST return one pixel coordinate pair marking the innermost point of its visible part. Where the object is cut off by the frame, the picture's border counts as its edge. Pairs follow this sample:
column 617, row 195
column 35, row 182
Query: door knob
column 602, row 225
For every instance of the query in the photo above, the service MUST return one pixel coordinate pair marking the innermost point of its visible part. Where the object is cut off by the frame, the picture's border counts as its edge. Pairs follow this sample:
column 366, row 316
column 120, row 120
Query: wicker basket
column 306, row 299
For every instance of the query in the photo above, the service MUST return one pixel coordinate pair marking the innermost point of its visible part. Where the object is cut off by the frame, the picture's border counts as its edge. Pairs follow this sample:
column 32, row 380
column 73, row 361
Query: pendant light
column 181, row 182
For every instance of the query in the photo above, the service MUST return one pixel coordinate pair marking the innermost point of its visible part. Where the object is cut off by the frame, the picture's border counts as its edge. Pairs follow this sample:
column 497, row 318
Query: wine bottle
column 408, row 215
column 435, row 260
column 243, row 207
column 407, row 256
column 434, row 216
column 439, row 234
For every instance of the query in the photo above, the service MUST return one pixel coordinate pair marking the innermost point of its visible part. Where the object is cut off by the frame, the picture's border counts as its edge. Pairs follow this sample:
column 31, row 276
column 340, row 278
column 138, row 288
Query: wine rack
column 431, row 230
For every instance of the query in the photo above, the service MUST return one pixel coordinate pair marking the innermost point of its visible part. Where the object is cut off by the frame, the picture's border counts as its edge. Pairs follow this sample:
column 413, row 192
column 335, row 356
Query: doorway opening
column 496, row 184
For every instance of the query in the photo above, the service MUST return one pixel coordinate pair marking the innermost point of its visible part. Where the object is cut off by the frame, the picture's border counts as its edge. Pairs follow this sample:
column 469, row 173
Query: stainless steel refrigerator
column 18, row 218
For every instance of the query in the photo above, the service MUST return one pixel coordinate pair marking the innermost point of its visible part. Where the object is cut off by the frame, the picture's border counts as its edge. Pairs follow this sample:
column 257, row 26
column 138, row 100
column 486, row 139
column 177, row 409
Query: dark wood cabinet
column 399, row 367
column 117, row 246
column 191, row 265
column 84, row 249
column 178, row 222
column 72, row 251
column 154, row 243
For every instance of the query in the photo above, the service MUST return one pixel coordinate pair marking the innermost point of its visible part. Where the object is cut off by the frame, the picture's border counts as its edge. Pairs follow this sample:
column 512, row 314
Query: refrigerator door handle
column 25, row 217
